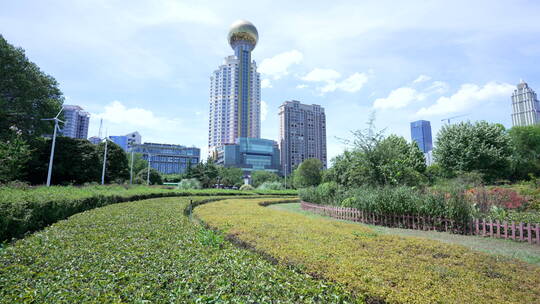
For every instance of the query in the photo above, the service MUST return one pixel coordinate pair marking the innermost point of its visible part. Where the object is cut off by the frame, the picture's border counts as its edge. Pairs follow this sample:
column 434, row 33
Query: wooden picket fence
column 525, row 232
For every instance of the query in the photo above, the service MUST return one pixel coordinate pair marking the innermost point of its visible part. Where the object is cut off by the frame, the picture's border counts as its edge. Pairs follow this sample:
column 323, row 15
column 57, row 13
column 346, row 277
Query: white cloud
column 351, row 84
column 302, row 86
column 264, row 110
column 399, row 98
column 319, row 75
column 278, row 66
column 422, row 78
column 118, row 113
column 468, row 96
column 438, row 87
column 265, row 83
column 354, row 83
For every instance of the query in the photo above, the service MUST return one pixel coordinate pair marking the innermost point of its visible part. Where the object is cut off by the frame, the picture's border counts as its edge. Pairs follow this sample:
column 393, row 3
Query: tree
column 76, row 161
column 116, row 169
column 206, row 173
column 525, row 158
column 14, row 154
column 230, row 176
column 154, row 177
column 259, row 177
column 468, row 147
column 26, row 95
column 376, row 160
column 308, row 173
column 138, row 162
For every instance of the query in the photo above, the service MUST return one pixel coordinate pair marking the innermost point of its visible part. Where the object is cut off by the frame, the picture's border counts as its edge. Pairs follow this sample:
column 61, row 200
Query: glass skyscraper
column 421, row 134
column 250, row 154
column 525, row 106
column 235, row 91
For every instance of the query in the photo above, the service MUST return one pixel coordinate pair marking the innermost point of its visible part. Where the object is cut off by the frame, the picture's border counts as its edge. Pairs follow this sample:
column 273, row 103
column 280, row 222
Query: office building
column 235, row 87
column 133, row 138
column 525, row 106
column 76, row 122
column 122, row 141
column 302, row 134
column 421, row 134
column 249, row 154
column 166, row 158
column 94, row 140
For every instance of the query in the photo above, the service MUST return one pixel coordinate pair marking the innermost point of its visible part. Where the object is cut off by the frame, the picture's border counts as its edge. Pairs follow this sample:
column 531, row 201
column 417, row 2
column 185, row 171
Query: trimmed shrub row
column 27, row 210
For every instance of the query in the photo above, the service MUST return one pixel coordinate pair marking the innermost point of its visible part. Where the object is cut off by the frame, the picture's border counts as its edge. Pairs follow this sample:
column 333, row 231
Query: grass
column 147, row 252
column 373, row 265
column 24, row 210
column 523, row 251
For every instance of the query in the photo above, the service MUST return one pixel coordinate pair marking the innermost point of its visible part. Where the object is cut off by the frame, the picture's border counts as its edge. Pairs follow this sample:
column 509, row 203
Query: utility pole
column 104, row 163
column 131, row 169
column 56, row 127
column 148, row 171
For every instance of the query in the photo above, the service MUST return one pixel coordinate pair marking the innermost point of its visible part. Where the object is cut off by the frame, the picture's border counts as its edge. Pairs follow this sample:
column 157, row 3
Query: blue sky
column 145, row 65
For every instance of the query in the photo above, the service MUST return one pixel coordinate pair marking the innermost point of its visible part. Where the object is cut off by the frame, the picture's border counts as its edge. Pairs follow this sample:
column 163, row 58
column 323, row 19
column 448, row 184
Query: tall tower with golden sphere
column 235, row 91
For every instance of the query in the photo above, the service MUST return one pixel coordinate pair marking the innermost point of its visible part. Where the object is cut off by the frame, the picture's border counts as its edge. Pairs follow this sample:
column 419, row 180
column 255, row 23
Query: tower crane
column 450, row 118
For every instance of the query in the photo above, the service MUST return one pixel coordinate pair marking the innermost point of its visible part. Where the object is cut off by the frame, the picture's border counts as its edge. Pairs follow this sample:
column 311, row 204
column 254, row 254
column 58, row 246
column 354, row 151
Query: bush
column 271, row 186
column 246, row 187
column 189, row 183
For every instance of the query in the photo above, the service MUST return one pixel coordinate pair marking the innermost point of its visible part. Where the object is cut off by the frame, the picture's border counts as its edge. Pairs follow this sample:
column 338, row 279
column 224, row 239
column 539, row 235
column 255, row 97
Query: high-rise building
column 77, row 121
column 166, row 158
column 302, row 134
column 250, row 154
column 235, row 91
column 421, row 134
column 525, row 106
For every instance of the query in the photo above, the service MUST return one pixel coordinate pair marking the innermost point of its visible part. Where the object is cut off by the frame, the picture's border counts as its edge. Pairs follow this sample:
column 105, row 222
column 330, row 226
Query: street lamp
column 56, row 127
column 148, row 171
column 104, row 162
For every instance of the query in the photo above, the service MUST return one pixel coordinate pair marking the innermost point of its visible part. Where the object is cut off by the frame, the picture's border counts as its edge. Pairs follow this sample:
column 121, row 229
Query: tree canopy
column 26, row 95
column 259, row 177
column 308, row 173
column 481, row 146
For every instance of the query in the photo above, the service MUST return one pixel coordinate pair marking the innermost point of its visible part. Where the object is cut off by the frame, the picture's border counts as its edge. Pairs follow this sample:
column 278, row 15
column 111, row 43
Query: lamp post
column 104, row 162
column 56, row 127
column 148, row 171
column 131, row 169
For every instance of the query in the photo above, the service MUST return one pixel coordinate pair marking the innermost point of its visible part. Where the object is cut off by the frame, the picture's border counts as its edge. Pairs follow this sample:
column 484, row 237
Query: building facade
column 133, row 138
column 76, row 122
column 421, row 134
column 302, row 134
column 235, row 91
column 122, row 141
column 525, row 106
column 250, row 154
column 167, row 158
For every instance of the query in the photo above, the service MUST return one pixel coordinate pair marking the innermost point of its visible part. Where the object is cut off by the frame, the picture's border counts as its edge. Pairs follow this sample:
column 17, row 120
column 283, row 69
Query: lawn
column 375, row 265
column 147, row 252
column 529, row 253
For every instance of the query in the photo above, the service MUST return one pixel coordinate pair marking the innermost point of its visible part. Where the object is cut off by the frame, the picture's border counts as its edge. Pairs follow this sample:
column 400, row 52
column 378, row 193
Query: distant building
column 421, row 134
column 525, row 106
column 76, row 122
column 429, row 158
column 250, row 154
column 122, row 141
column 133, row 138
column 168, row 159
column 235, row 91
column 302, row 134
column 94, row 140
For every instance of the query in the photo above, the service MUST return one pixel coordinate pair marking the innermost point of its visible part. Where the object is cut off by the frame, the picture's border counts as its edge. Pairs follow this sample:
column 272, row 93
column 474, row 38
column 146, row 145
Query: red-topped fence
column 525, row 232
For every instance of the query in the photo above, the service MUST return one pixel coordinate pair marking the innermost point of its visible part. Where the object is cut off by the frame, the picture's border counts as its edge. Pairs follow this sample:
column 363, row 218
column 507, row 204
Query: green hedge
column 394, row 201
column 30, row 209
